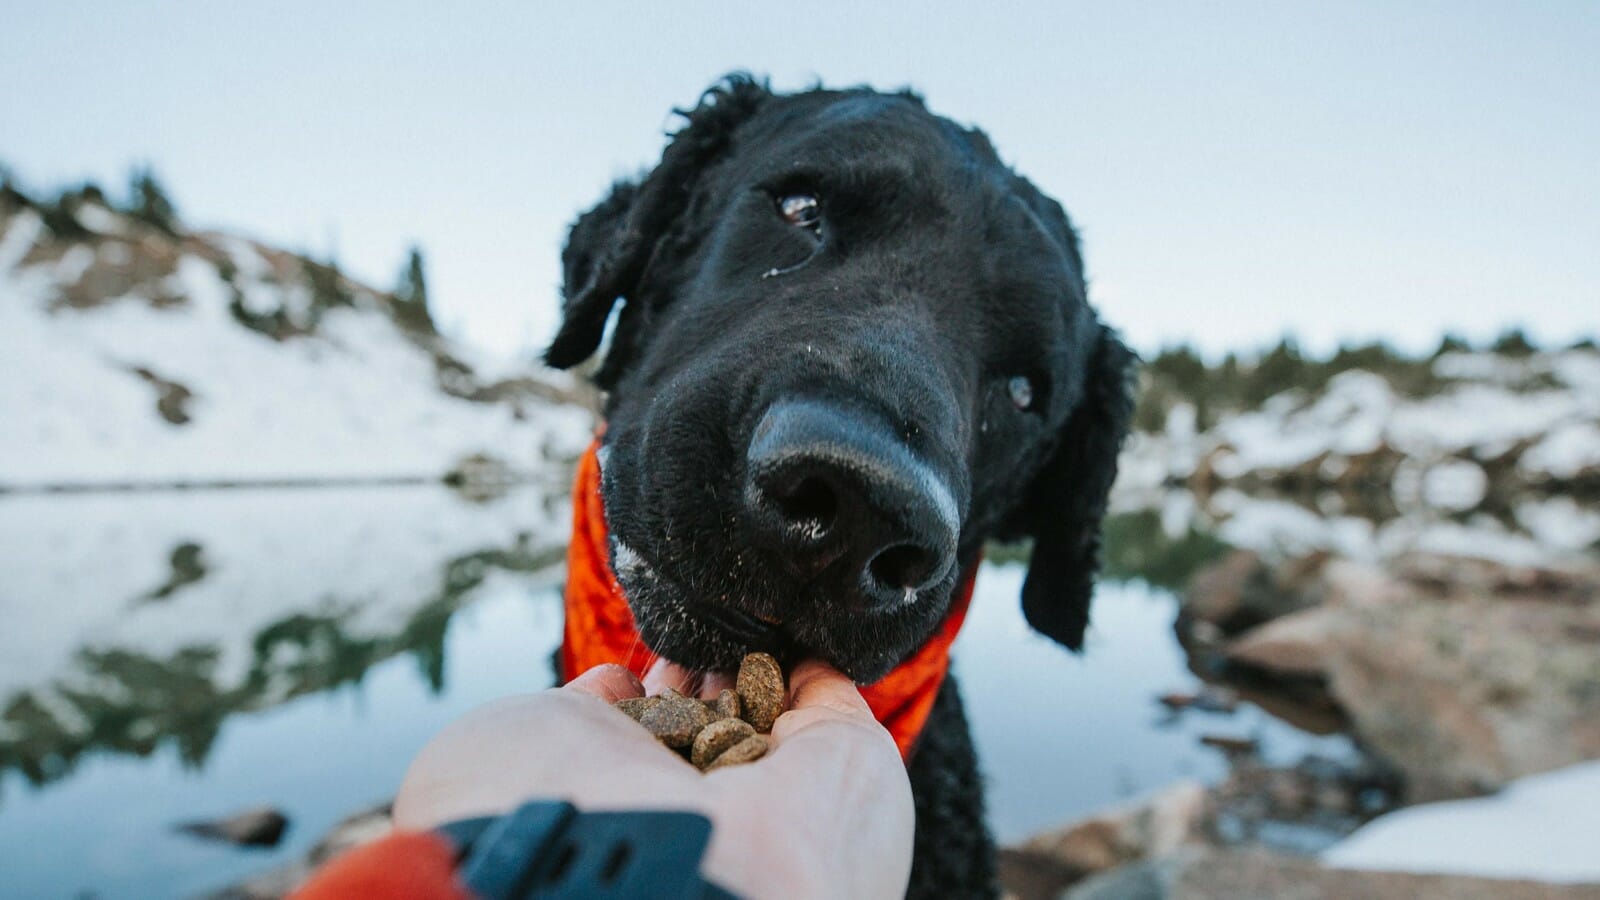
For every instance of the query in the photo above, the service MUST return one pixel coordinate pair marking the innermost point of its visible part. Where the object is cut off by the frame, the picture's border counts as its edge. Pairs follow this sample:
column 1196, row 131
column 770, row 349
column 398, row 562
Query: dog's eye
column 801, row 210
column 1020, row 388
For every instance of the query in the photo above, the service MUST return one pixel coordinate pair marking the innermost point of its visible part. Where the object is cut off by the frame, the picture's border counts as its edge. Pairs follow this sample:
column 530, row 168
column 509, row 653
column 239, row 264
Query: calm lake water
column 182, row 655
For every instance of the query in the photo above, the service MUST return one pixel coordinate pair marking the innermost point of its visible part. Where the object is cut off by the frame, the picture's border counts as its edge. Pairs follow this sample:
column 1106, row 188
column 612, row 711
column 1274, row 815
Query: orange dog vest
column 600, row 627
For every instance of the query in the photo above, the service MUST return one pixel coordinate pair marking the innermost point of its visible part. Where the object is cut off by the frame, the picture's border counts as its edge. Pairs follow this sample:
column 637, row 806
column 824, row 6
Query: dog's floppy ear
column 1068, row 498
column 610, row 248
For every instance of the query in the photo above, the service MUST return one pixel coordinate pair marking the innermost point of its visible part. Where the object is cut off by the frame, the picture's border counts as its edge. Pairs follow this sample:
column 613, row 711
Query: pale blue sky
column 1238, row 170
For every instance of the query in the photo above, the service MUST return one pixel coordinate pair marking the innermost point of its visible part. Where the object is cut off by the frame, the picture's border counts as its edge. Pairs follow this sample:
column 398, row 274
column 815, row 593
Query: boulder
column 259, row 827
column 1295, row 645
column 1462, row 674
column 1152, row 826
column 1243, row 590
column 349, row 833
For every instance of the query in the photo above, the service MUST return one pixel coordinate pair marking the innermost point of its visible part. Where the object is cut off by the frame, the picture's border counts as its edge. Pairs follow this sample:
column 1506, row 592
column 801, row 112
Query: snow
column 1568, row 449
column 1543, row 827
column 1347, row 419
column 1438, row 451
column 1561, row 523
column 25, row 228
column 95, row 217
column 357, row 400
column 1454, row 485
column 1482, row 417
column 1286, row 529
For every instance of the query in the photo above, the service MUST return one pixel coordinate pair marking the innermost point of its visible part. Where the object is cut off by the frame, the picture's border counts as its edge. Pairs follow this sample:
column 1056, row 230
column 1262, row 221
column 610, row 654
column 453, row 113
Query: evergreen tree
column 328, row 288
column 1452, row 343
column 11, row 195
column 411, row 296
column 1513, row 343
column 148, row 201
column 1281, row 369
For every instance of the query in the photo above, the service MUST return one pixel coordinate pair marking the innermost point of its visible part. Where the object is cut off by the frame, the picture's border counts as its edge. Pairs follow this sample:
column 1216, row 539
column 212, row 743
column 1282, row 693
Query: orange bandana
column 600, row 624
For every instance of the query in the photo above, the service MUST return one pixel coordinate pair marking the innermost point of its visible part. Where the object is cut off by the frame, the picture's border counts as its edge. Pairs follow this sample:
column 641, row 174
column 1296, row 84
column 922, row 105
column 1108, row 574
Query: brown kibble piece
column 748, row 750
column 636, row 706
column 676, row 720
column 761, row 690
column 727, row 705
column 717, row 738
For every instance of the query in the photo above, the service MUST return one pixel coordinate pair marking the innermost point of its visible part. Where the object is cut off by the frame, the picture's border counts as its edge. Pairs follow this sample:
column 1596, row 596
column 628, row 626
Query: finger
column 815, row 684
column 664, row 674
column 609, row 681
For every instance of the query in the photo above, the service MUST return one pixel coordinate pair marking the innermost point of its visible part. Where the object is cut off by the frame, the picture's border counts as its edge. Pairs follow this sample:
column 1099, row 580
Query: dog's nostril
column 903, row 567
column 811, row 503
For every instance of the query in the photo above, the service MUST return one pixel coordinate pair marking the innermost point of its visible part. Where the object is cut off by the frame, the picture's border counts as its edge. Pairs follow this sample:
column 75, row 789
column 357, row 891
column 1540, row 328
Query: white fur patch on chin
column 628, row 564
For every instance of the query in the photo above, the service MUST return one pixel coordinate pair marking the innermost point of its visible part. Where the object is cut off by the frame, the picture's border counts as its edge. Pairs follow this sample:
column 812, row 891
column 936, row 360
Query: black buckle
column 548, row 849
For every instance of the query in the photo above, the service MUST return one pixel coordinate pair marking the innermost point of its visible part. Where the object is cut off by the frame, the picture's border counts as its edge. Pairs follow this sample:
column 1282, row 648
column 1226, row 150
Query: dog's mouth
column 716, row 636
column 756, row 631
column 693, row 633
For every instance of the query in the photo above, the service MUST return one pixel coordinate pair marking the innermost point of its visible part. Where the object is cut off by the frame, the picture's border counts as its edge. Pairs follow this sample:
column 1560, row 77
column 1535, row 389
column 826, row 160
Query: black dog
column 854, row 346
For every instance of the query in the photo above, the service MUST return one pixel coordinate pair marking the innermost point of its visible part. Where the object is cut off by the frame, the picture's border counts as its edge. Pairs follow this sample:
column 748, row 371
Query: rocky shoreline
column 1453, row 676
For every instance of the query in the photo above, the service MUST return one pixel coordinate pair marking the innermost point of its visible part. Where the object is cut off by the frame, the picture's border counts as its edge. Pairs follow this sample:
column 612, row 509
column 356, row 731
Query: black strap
column 548, row 849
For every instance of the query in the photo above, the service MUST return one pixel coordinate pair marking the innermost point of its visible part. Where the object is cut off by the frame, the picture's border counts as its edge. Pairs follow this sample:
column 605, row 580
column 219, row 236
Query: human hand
column 827, row 813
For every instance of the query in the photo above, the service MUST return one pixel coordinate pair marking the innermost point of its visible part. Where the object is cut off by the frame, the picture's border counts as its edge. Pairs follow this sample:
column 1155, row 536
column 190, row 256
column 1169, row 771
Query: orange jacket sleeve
column 406, row 865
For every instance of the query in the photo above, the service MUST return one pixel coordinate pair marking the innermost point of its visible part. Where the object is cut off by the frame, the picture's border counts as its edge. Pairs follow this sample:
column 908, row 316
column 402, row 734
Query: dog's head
column 853, row 346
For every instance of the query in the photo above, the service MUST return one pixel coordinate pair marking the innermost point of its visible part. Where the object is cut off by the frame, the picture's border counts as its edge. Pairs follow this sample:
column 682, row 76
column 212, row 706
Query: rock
column 1157, row 824
column 1243, row 590
column 1233, row 746
column 1200, row 873
column 1295, row 645
column 1222, row 593
column 260, row 827
column 1212, row 698
column 1319, row 800
column 1461, row 687
column 1461, row 674
column 351, row 832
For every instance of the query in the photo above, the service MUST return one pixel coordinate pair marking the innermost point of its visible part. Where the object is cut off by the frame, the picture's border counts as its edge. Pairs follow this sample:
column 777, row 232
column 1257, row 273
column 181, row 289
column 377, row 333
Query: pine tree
column 1514, row 342
column 1281, row 369
column 148, row 201
column 1452, row 343
column 411, row 297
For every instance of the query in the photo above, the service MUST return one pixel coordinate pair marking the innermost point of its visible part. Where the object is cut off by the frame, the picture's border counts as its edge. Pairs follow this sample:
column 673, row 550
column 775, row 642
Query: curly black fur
column 954, row 855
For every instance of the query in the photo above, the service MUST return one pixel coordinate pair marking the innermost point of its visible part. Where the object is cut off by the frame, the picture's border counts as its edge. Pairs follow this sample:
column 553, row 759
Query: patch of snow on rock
column 1544, row 827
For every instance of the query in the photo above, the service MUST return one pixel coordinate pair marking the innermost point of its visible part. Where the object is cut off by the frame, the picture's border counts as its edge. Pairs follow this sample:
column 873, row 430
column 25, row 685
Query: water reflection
column 259, row 597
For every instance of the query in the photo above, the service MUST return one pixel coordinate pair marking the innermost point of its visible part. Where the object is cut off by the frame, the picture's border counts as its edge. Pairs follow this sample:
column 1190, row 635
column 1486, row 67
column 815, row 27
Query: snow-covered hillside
column 1499, row 459
column 134, row 354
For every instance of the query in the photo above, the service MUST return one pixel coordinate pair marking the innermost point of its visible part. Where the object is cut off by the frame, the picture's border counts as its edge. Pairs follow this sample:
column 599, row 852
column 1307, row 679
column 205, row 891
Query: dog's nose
column 843, row 500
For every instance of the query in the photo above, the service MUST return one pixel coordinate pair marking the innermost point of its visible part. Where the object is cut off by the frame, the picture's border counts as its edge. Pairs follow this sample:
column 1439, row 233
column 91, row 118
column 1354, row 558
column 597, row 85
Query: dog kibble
column 636, row 706
column 761, row 690
column 722, row 732
column 748, row 750
column 727, row 705
column 717, row 738
column 676, row 720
